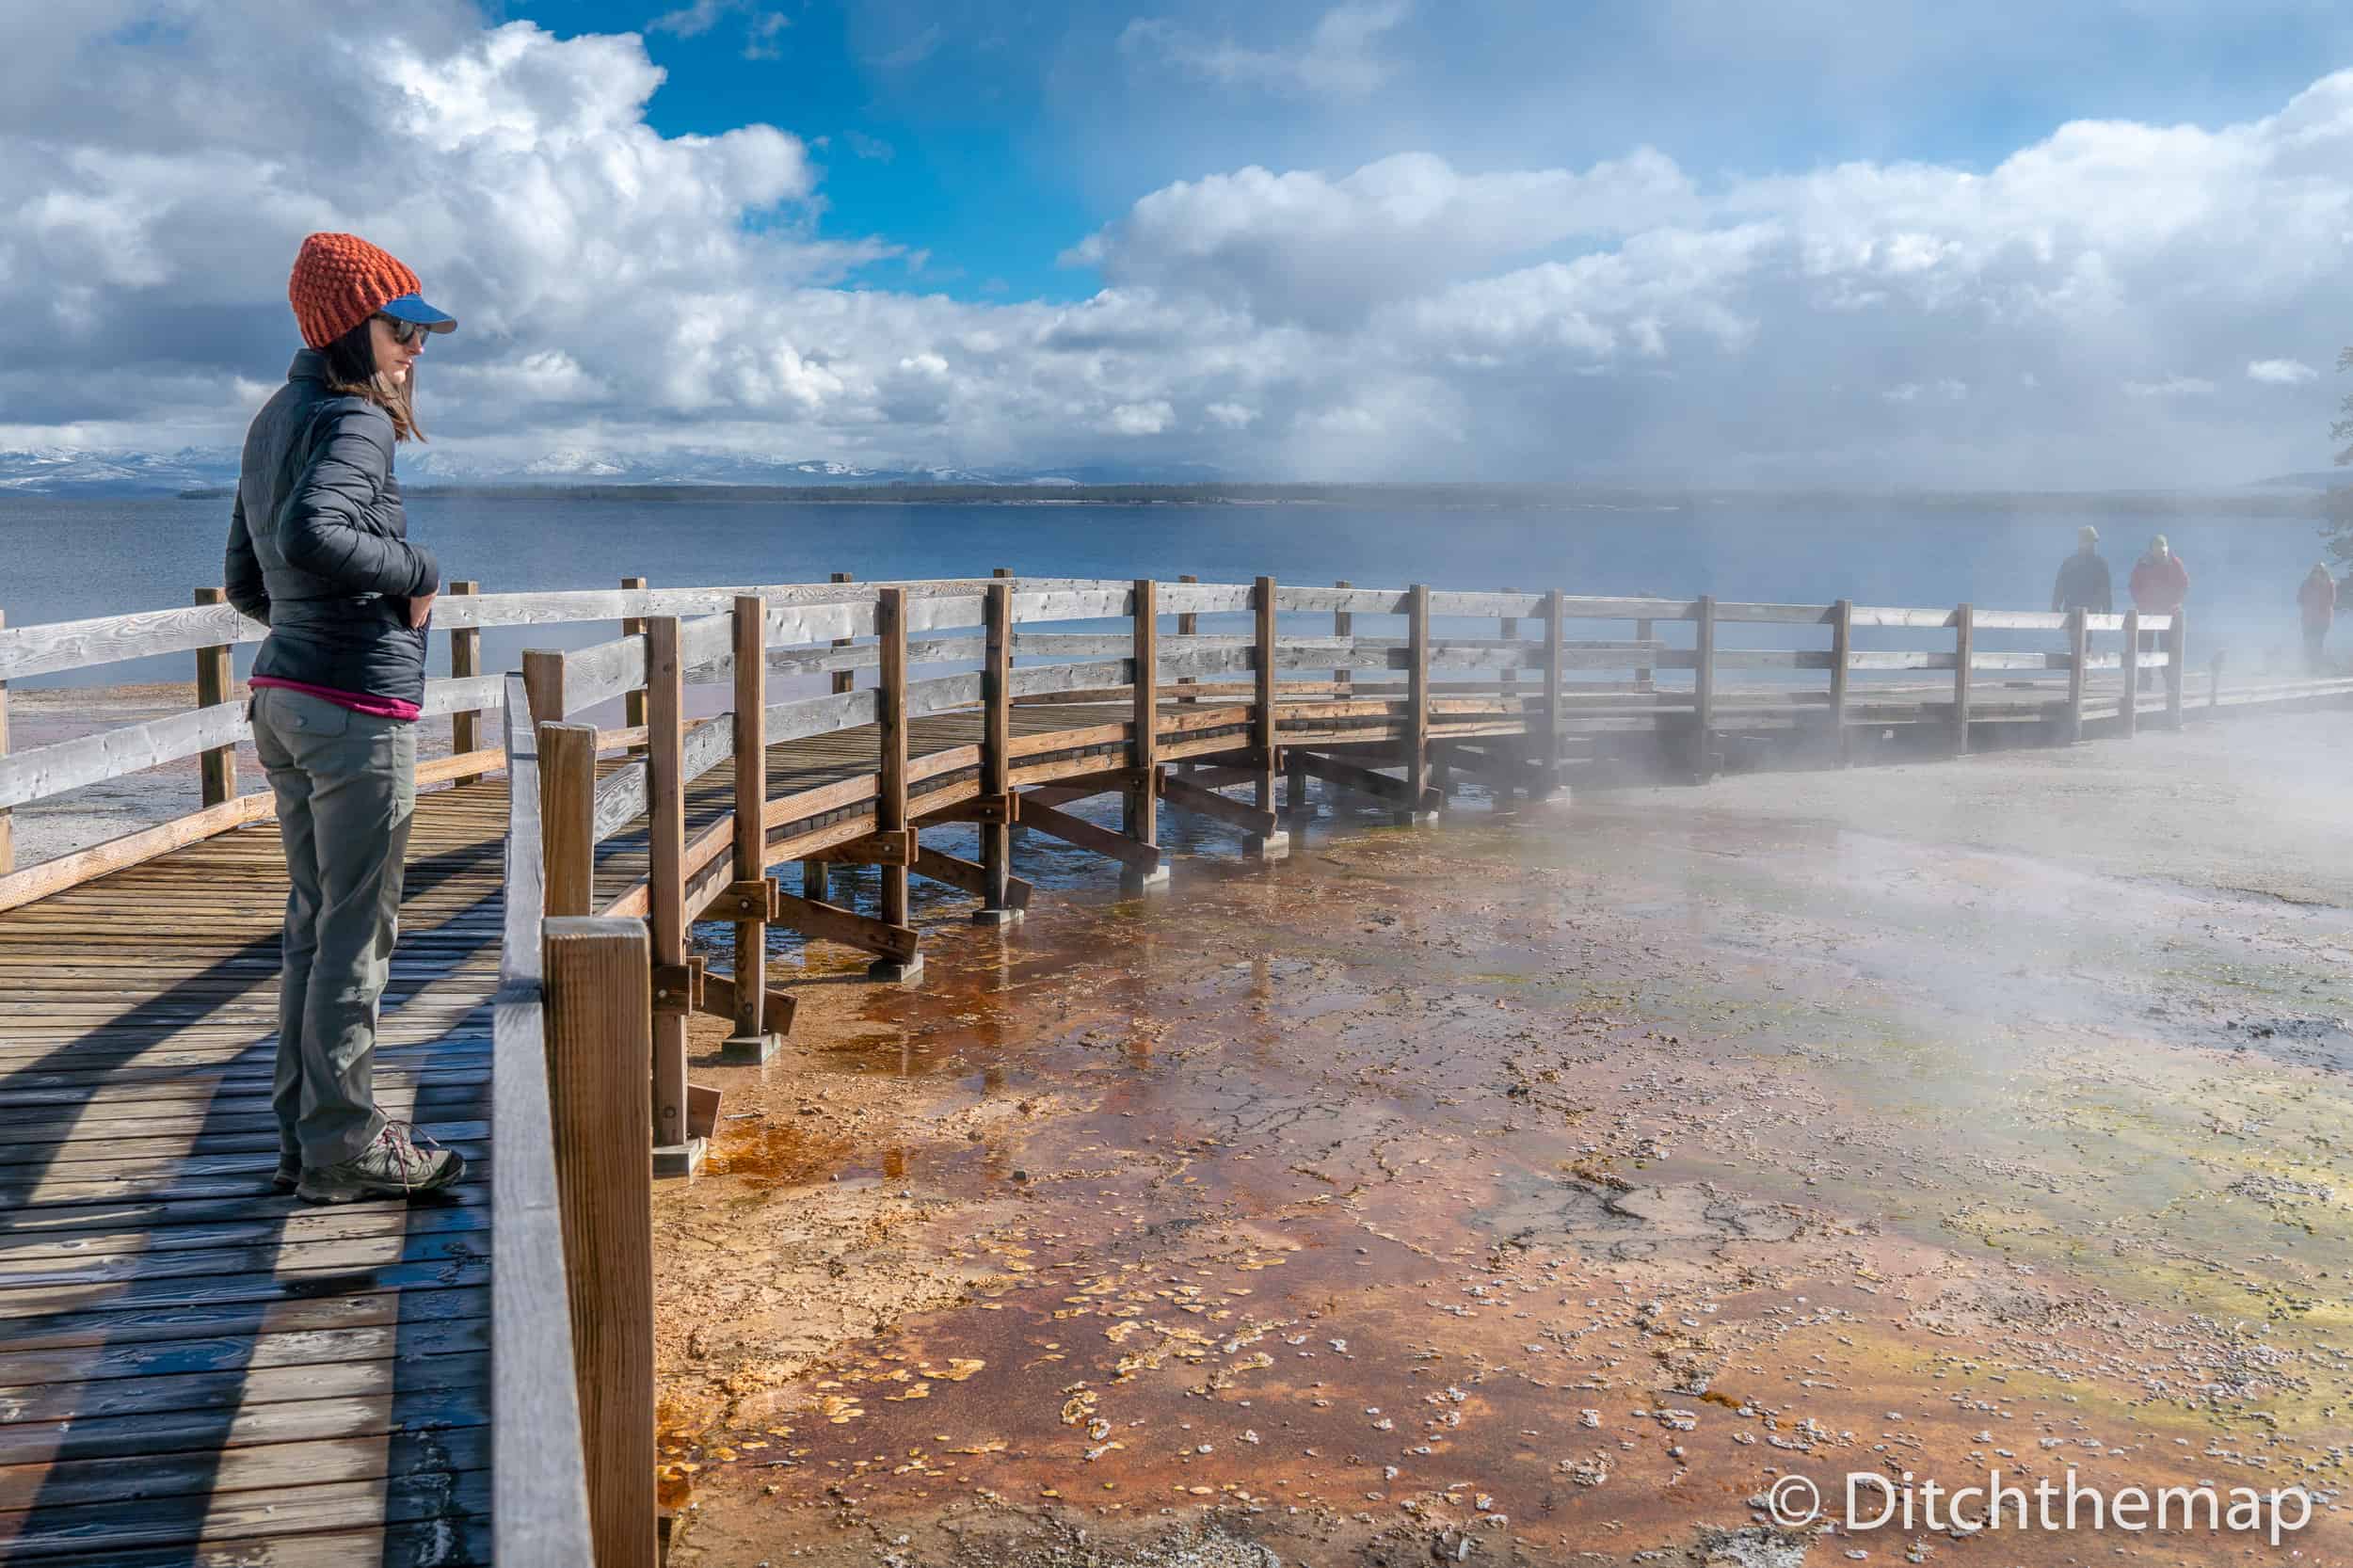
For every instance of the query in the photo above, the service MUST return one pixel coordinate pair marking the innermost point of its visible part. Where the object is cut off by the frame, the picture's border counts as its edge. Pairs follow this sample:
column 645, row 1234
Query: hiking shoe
column 289, row 1174
column 391, row 1166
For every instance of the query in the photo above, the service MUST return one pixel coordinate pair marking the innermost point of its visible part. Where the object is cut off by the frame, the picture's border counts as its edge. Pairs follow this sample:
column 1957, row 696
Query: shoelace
column 400, row 1139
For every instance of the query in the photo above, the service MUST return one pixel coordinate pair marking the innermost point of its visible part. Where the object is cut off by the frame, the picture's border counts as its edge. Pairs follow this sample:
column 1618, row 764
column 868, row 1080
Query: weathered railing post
column 1841, row 672
column 214, row 676
column 543, row 684
column 2078, row 651
column 1343, row 625
column 2176, row 663
column 1188, row 625
column 1416, row 746
column 2129, row 708
column 996, row 757
column 599, row 1049
column 675, row 1152
column 891, row 803
column 817, row 875
column 1643, row 631
column 1266, row 758
column 753, row 1041
column 1140, row 802
column 465, row 664
column 567, row 811
column 1508, row 628
column 1548, row 775
column 1964, row 634
column 7, row 821
column 633, row 700
column 1704, row 693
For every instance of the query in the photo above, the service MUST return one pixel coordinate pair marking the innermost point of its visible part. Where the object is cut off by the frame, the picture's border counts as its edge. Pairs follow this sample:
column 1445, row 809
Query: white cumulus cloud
column 1339, row 58
column 2281, row 373
column 1405, row 315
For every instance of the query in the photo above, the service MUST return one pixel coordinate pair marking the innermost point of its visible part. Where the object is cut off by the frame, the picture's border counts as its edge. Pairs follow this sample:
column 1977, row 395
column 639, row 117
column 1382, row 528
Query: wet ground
column 1552, row 1188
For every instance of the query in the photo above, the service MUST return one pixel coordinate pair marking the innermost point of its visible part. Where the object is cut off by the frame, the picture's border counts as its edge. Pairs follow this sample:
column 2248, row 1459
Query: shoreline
column 1631, row 499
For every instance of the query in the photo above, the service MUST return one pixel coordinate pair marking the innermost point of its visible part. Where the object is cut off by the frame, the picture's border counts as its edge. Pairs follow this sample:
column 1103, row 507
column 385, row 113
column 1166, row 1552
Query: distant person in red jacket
column 2317, row 599
column 2159, row 584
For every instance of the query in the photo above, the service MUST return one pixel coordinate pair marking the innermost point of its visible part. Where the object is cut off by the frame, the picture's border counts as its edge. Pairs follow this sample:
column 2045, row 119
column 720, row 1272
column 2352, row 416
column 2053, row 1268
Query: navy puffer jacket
column 318, row 546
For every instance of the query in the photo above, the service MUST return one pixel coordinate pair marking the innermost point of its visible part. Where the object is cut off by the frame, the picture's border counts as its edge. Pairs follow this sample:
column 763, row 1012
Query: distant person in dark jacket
column 2317, row 599
column 2159, row 582
column 2082, row 577
column 319, row 553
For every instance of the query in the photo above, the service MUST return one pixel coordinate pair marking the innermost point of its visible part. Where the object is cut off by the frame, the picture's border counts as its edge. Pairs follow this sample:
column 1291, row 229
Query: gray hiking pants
column 346, row 787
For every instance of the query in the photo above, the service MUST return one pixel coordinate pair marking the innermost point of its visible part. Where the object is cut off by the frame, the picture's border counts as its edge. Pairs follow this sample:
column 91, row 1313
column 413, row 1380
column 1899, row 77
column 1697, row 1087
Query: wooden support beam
column 676, row 1152
column 1508, row 630
column 891, row 803
column 1140, row 802
column 1964, row 634
column 1141, row 859
column 830, row 923
column 1188, row 625
column 1185, row 795
column 215, row 675
column 1343, row 625
column 1643, row 631
column 1062, row 791
column 465, row 662
column 720, row 999
column 1704, row 693
column 970, row 876
column 815, row 876
column 1265, row 759
column 568, row 816
column 1548, row 774
column 1841, row 671
column 996, row 755
column 1416, row 742
column 1365, row 781
column 599, row 1050
column 677, row 988
column 989, row 810
column 633, row 700
column 2078, row 651
column 890, row 847
column 543, row 683
column 2176, row 664
column 2128, row 706
column 756, row 1037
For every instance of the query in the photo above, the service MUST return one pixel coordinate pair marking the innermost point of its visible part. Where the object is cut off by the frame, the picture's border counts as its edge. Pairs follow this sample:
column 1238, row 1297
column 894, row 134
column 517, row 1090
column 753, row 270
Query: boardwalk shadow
column 149, row 1411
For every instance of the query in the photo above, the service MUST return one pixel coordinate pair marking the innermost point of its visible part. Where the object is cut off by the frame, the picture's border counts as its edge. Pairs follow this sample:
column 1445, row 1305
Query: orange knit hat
column 339, row 281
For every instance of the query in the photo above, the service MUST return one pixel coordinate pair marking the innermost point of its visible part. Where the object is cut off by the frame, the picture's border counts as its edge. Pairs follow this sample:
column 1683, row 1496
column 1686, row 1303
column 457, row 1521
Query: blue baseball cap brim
column 410, row 306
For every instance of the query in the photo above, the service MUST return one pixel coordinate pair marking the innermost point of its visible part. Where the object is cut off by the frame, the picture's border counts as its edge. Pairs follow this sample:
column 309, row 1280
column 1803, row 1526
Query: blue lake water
column 68, row 559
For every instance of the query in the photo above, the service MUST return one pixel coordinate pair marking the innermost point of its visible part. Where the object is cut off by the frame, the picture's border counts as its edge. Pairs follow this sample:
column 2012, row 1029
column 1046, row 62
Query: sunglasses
column 405, row 332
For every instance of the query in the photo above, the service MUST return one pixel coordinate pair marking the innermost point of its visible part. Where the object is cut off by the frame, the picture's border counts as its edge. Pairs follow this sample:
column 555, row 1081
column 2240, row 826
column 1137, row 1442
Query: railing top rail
column 538, row 1476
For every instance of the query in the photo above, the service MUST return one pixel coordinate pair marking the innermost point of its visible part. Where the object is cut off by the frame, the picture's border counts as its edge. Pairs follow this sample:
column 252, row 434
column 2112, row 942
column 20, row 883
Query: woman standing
column 2317, row 599
column 318, row 551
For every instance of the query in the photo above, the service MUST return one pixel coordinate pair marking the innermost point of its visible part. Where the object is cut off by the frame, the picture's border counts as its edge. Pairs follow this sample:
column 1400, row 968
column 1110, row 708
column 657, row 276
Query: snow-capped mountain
column 62, row 471
column 66, row 471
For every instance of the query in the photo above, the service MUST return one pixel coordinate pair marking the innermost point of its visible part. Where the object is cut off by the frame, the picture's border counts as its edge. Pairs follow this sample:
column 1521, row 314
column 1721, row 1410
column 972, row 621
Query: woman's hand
column 421, row 610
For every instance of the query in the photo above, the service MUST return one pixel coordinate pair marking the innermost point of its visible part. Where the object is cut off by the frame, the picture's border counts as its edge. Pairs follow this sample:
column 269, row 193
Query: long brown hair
column 351, row 370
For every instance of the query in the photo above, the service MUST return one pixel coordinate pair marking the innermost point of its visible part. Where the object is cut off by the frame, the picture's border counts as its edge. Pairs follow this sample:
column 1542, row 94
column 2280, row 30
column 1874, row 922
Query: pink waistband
column 358, row 702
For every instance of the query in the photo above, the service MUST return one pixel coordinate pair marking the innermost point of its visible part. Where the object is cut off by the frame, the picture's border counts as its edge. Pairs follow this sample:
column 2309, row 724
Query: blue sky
column 2004, row 243
column 993, row 136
